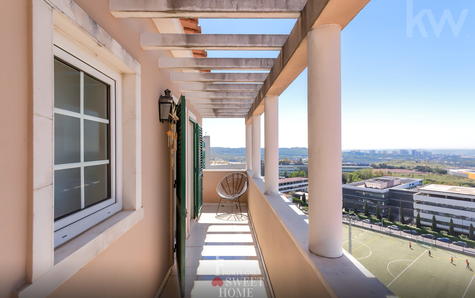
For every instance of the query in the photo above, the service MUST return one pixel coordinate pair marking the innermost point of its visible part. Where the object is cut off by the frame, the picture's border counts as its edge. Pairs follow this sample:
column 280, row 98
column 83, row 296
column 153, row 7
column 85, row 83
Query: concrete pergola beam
column 218, row 105
column 218, row 77
column 221, row 111
column 216, row 63
column 220, row 95
column 194, row 86
column 157, row 41
column 206, row 8
column 292, row 59
column 223, row 115
column 221, row 101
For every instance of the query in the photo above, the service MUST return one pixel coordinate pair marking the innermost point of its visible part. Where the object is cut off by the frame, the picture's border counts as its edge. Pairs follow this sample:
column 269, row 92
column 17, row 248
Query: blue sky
column 407, row 80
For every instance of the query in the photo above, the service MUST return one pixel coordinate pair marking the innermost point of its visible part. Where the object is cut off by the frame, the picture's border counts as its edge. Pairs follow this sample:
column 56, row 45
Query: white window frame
column 63, row 23
column 72, row 225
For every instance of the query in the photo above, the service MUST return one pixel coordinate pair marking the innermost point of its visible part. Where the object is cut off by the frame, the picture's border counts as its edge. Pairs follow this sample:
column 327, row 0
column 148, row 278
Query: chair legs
column 237, row 203
column 219, row 205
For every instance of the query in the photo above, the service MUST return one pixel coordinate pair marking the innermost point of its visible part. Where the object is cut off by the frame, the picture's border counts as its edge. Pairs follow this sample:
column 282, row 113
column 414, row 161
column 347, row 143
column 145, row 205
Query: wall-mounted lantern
column 166, row 107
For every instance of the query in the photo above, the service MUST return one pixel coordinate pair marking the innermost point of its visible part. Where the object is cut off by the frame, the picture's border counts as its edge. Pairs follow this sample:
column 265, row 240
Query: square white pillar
column 249, row 145
column 256, row 146
column 271, row 149
column 324, row 141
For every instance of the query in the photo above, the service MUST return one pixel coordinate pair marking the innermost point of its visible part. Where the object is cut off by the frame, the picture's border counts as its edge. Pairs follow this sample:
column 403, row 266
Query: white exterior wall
column 453, row 212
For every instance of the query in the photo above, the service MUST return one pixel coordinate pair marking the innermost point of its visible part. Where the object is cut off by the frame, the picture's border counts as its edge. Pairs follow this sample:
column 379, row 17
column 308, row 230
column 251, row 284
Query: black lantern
column 165, row 106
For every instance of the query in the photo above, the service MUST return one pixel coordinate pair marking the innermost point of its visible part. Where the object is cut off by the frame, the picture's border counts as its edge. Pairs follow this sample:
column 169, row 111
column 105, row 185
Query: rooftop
column 383, row 183
column 461, row 190
column 293, row 179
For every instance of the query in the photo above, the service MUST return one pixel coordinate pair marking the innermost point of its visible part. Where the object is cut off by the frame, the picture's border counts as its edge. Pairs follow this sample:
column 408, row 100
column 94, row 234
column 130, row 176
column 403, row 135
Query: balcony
column 264, row 251
column 130, row 253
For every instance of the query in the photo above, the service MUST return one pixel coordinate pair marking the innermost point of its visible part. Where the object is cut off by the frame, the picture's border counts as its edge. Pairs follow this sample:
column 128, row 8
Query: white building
column 446, row 202
column 293, row 184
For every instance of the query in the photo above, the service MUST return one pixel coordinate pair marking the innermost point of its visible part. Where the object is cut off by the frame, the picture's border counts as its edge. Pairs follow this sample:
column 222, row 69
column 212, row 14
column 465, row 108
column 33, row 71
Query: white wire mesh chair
column 231, row 188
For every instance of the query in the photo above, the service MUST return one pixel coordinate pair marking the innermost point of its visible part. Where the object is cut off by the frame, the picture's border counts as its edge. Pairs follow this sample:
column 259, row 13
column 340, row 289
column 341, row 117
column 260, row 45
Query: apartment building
column 293, row 184
column 103, row 187
column 446, row 202
column 386, row 192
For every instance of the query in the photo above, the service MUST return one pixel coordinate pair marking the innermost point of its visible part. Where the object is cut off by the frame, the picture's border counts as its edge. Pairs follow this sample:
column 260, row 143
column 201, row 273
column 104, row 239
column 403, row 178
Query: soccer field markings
column 364, row 245
column 395, row 261
column 468, row 287
column 405, row 269
column 368, row 255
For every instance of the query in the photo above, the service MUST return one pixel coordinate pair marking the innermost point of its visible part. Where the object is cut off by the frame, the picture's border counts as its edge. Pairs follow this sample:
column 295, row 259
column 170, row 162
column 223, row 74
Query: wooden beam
column 195, row 86
column 216, row 63
column 220, row 95
column 206, row 8
column 218, row 77
column 292, row 59
column 248, row 42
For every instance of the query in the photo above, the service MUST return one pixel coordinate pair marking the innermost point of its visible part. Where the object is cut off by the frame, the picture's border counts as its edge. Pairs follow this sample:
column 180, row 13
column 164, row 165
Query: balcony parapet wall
column 282, row 234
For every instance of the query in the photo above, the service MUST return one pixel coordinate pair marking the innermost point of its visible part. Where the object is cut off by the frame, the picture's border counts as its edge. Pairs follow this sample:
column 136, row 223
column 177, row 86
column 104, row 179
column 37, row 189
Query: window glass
column 66, row 87
column 67, row 141
column 96, row 184
column 95, row 141
column 67, row 192
column 81, row 143
column 95, row 97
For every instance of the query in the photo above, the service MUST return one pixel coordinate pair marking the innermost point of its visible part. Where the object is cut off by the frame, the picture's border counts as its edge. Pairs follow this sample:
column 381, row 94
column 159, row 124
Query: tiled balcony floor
column 221, row 257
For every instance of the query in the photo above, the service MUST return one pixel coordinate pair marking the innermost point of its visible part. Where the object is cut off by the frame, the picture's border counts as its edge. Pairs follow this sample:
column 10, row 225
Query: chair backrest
column 232, row 186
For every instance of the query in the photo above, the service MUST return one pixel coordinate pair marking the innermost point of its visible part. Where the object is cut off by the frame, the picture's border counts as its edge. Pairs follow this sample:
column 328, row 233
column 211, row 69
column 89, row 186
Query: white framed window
column 84, row 146
column 63, row 32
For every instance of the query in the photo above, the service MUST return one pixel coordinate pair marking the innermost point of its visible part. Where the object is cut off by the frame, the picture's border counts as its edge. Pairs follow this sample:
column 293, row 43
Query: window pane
column 96, row 179
column 95, row 141
column 66, row 139
column 95, row 97
column 66, row 87
column 67, row 192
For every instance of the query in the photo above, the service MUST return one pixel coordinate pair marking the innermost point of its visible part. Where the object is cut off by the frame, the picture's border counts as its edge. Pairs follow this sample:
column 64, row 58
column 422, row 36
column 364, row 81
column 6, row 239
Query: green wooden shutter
column 202, row 165
column 181, row 191
column 198, row 163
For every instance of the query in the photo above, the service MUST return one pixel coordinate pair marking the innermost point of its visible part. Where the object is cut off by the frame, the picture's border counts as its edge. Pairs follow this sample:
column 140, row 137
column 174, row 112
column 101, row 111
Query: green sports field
column 412, row 272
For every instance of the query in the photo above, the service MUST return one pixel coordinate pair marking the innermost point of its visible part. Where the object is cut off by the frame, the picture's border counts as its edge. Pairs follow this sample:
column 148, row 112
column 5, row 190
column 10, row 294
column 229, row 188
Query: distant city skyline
column 407, row 78
column 368, row 149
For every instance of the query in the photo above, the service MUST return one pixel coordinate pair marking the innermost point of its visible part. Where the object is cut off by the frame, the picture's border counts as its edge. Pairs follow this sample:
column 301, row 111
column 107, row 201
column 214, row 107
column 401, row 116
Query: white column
column 324, row 141
column 256, row 146
column 249, row 145
column 271, row 137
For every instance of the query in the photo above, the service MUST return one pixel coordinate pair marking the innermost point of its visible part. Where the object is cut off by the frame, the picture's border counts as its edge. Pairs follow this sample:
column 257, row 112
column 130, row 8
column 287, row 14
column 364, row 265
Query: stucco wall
column 290, row 273
column 15, row 143
column 211, row 178
column 135, row 264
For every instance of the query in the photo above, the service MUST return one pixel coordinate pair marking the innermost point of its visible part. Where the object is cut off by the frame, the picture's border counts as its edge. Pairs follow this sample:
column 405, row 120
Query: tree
column 401, row 216
column 471, row 232
column 378, row 211
column 344, row 178
column 434, row 223
column 390, row 214
column 451, row 228
column 418, row 220
column 366, row 208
